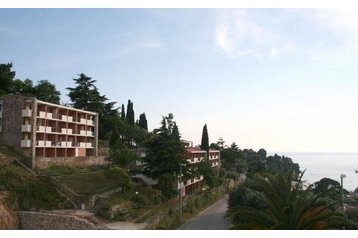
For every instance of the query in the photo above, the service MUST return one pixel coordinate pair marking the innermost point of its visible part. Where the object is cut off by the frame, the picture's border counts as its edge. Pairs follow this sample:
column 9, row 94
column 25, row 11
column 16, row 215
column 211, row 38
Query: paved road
column 210, row 219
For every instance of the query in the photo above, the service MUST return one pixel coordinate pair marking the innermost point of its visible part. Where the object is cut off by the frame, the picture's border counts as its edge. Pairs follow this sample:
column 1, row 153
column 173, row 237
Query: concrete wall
column 42, row 162
column 48, row 221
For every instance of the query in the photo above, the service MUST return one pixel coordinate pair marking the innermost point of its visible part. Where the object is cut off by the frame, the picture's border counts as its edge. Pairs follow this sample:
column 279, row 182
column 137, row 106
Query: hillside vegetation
column 26, row 191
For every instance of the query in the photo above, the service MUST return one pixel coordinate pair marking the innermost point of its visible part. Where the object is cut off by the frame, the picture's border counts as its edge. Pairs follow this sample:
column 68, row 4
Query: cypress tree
column 123, row 113
column 205, row 142
column 205, row 139
column 131, row 116
column 130, row 113
column 143, row 121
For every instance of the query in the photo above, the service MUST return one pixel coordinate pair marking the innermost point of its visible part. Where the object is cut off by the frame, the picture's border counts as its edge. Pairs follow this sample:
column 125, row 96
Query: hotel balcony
column 26, row 112
column 214, row 157
column 26, row 143
column 49, row 115
column 90, row 122
column 42, row 114
column 69, row 144
column 89, row 133
column 42, row 143
column 48, row 129
column 195, row 160
column 83, row 121
column 89, row 145
column 61, row 144
column 83, row 133
column 41, row 128
column 67, row 118
column 26, row 128
column 82, row 144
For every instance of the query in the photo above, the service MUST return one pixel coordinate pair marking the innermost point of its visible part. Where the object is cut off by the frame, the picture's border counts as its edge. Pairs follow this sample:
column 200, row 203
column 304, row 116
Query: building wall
column 12, row 121
column 45, row 162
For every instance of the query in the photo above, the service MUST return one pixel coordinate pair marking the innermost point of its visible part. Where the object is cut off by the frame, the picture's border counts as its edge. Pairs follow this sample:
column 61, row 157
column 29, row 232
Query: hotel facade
column 195, row 155
column 48, row 133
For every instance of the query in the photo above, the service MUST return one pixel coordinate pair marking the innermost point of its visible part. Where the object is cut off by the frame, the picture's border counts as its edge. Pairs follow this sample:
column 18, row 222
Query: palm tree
column 275, row 202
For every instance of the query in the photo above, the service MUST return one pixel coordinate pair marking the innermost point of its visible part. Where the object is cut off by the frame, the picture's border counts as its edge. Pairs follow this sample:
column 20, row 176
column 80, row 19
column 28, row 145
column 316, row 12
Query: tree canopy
column 165, row 154
column 275, row 202
column 7, row 77
column 143, row 121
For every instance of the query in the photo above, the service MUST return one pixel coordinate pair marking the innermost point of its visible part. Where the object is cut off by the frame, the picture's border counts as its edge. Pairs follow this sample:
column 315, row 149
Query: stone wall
column 44, row 162
column 12, row 121
column 49, row 221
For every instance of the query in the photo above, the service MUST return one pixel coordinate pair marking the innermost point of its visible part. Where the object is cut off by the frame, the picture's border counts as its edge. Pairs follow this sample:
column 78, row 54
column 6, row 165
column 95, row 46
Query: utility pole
column 181, row 194
column 343, row 208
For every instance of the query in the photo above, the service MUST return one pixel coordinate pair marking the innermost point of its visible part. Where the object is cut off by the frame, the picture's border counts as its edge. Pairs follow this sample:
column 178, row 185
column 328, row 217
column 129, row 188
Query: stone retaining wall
column 49, row 221
column 44, row 162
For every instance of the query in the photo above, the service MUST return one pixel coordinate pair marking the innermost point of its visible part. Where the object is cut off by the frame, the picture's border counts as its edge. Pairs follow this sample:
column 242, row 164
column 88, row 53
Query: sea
column 326, row 165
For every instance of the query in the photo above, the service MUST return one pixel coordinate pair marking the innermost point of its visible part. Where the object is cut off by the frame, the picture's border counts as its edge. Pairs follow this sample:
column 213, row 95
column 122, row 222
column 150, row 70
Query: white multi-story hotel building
column 46, row 132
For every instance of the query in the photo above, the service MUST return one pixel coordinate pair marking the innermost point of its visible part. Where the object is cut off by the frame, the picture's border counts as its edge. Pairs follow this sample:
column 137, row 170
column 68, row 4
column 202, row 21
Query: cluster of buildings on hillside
column 48, row 134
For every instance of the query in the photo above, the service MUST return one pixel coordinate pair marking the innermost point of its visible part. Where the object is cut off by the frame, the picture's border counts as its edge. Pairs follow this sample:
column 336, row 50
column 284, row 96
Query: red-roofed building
column 194, row 156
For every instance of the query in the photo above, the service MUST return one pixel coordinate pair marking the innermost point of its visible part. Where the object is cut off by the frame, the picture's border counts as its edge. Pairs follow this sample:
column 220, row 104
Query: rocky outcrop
column 8, row 218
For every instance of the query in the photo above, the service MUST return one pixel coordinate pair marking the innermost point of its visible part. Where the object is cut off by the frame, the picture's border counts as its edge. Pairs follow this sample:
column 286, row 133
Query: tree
column 46, row 91
column 86, row 95
column 24, row 88
column 123, row 113
column 143, row 121
column 274, row 202
column 221, row 143
column 130, row 113
column 165, row 154
column 6, row 78
column 204, row 139
column 210, row 177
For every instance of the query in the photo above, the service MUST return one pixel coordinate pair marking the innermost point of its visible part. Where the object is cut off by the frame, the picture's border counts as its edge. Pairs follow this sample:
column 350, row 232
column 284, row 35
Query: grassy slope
column 89, row 183
column 26, row 191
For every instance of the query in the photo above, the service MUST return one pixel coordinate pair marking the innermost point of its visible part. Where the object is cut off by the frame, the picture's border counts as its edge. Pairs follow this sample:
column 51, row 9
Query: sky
column 279, row 79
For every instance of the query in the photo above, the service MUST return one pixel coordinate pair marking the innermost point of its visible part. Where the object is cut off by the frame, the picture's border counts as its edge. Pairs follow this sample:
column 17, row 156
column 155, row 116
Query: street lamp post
column 342, row 194
column 181, row 194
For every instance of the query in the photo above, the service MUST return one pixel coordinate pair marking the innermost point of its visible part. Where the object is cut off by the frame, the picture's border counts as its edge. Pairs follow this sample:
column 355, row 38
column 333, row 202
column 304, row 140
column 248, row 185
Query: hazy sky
column 281, row 79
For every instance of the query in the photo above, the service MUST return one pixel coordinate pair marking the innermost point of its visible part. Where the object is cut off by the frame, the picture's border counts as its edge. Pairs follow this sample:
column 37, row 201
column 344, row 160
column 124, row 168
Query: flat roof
column 65, row 107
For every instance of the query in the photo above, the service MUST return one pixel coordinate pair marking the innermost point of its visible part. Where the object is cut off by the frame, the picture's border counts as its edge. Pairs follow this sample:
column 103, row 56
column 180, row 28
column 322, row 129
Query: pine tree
column 165, row 154
column 175, row 132
column 143, row 121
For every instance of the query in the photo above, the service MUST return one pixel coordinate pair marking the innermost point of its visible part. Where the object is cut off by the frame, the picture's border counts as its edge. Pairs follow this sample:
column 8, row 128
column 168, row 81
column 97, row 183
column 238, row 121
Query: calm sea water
column 329, row 165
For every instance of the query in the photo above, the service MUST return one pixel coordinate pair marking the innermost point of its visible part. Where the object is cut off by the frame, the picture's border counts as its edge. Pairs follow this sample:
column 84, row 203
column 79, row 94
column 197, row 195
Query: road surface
column 210, row 219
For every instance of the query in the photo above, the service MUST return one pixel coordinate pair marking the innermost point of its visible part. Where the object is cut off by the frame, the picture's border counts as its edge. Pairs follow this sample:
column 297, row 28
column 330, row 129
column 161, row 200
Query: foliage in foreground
column 274, row 202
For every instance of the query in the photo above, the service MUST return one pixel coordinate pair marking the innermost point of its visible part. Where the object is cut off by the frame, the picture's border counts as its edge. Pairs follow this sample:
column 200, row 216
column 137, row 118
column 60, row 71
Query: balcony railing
column 26, row 112
column 41, row 129
column 26, row 128
column 42, row 114
column 26, row 143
